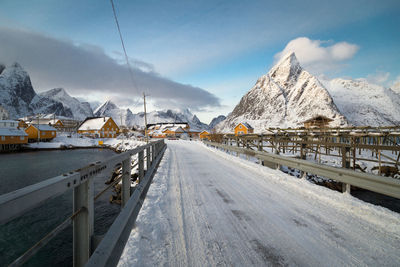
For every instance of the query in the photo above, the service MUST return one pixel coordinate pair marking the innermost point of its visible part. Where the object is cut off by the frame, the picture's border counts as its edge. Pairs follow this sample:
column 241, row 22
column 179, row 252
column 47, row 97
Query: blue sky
column 219, row 48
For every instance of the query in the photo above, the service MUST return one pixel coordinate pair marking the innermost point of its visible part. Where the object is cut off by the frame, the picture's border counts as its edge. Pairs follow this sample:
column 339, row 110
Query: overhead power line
column 124, row 49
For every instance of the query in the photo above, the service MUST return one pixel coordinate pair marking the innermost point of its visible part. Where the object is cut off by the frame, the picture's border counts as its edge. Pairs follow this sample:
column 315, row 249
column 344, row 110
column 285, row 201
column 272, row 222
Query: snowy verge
column 71, row 141
column 348, row 204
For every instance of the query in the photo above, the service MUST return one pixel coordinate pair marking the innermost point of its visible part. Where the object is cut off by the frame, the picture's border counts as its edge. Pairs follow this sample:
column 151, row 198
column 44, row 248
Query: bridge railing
column 81, row 181
column 384, row 185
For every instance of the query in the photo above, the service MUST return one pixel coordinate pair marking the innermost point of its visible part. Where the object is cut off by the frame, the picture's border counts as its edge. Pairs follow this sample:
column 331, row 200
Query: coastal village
column 14, row 134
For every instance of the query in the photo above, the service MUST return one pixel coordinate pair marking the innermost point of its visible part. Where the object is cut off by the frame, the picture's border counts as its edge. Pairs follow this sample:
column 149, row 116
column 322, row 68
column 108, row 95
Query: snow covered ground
column 208, row 208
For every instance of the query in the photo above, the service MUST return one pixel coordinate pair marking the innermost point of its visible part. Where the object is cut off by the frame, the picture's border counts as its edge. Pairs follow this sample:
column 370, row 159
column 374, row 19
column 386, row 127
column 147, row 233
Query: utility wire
column 123, row 47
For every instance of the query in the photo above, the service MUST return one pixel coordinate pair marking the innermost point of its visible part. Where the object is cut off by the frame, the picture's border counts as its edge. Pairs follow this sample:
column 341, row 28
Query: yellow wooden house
column 41, row 132
column 103, row 127
column 204, row 135
column 243, row 128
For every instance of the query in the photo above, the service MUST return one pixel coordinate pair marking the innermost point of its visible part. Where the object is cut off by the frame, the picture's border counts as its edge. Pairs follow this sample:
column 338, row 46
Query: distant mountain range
column 288, row 95
column 284, row 97
column 19, row 98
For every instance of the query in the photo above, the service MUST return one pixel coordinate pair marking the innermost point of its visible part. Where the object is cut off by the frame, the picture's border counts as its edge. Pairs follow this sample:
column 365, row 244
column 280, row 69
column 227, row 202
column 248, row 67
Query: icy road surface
column 208, row 208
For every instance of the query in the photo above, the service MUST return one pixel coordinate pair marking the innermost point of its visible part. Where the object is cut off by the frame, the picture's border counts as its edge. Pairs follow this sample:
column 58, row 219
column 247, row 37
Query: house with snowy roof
column 41, row 132
column 11, row 137
column 243, row 128
column 99, row 127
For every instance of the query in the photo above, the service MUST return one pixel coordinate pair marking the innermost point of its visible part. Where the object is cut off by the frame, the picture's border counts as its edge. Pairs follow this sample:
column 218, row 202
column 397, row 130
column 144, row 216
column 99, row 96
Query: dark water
column 21, row 169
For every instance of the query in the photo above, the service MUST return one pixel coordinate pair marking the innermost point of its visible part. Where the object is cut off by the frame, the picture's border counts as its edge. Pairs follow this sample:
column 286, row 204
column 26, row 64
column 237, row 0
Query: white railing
column 81, row 181
column 384, row 185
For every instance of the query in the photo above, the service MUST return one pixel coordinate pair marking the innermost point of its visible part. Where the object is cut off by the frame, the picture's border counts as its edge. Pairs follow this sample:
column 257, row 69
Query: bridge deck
column 208, row 208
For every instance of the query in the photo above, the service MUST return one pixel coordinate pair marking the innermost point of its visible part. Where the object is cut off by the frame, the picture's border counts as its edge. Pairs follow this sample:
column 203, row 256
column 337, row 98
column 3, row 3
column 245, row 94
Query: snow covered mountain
column 170, row 116
column 120, row 116
column 137, row 120
column 20, row 99
column 216, row 121
column 364, row 103
column 80, row 110
column 16, row 91
column 285, row 97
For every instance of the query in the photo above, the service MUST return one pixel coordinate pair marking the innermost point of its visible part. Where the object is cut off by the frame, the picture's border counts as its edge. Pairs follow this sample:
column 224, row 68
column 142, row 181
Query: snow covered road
column 207, row 208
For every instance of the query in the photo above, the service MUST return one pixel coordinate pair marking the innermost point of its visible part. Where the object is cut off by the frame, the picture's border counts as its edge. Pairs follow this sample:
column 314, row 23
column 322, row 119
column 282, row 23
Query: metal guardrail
column 375, row 183
column 81, row 181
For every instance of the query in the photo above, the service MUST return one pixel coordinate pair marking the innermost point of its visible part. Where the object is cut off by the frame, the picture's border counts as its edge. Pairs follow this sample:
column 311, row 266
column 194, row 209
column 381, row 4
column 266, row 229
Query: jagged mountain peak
column 285, row 97
column 106, row 106
column 287, row 68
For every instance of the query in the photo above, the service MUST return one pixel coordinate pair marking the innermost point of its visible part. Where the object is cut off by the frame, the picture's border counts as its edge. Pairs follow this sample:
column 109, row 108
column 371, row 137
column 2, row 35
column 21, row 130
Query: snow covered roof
column 12, row 132
column 248, row 126
column 44, row 127
column 93, row 124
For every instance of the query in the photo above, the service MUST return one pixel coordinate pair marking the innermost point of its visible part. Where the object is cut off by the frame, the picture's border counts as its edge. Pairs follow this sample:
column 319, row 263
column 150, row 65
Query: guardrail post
column 303, row 156
column 148, row 159
column 141, row 165
column 126, row 181
column 153, row 152
column 346, row 164
column 260, row 148
column 83, row 222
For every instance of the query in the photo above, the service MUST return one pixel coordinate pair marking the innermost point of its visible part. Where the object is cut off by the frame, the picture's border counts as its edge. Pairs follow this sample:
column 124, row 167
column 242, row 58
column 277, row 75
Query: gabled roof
column 318, row 118
column 93, row 124
column 245, row 124
column 12, row 132
column 44, row 127
column 204, row 132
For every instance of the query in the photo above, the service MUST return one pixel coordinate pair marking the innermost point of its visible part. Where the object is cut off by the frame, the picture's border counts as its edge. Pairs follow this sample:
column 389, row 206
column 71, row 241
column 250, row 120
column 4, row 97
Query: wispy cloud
column 85, row 69
column 319, row 56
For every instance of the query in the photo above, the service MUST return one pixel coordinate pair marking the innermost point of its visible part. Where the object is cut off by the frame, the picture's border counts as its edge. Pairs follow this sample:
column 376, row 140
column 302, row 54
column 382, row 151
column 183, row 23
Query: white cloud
column 318, row 57
column 378, row 77
column 86, row 70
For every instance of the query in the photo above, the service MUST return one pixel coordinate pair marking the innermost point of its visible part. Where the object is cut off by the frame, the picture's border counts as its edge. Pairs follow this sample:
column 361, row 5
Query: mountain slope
column 285, row 97
column 16, row 91
column 80, row 110
column 364, row 103
column 216, row 121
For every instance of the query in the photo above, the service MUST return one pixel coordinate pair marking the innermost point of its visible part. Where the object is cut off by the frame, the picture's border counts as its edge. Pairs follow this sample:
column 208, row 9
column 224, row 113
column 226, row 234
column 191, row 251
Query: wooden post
column 346, row 164
column 303, row 156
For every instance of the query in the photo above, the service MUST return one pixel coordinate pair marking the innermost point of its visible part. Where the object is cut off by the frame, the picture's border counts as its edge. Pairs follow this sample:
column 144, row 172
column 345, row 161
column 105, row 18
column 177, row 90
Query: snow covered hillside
column 364, row 103
column 214, row 122
column 80, row 110
column 285, row 97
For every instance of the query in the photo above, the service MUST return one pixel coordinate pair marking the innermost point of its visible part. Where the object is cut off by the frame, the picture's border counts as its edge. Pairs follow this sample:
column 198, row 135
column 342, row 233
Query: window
column 52, row 133
column 109, row 123
column 22, row 138
column 240, row 126
column 3, row 138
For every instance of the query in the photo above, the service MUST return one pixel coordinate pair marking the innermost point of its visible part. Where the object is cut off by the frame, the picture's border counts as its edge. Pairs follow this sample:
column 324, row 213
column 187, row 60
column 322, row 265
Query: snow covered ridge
column 285, row 97
column 126, row 117
column 364, row 103
column 19, row 98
